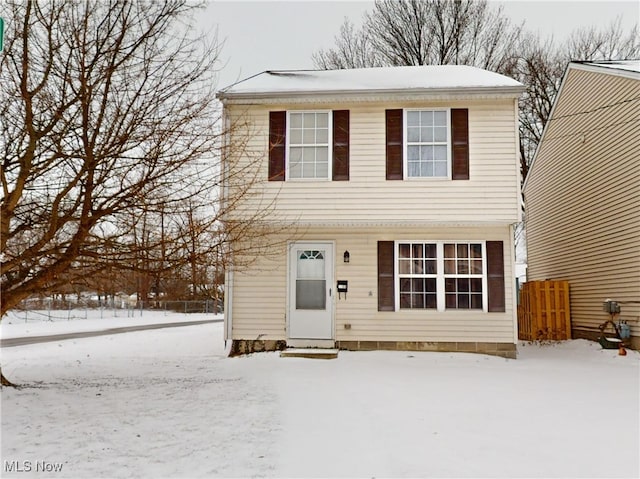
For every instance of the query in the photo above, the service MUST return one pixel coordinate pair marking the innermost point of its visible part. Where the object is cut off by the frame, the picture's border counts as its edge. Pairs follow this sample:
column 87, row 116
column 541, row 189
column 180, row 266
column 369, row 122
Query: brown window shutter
column 277, row 144
column 386, row 296
column 341, row 145
column 495, row 276
column 460, row 143
column 394, row 144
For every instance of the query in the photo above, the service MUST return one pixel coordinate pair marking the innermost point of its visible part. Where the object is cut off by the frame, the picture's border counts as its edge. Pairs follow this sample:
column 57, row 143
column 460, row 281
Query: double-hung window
column 427, row 149
column 441, row 275
column 463, row 275
column 308, row 141
column 427, row 143
column 417, row 273
column 309, row 145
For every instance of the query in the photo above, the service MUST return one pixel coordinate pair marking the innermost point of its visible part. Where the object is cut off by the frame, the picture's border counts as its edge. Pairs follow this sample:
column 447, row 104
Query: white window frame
column 400, row 276
column 440, row 275
column 405, row 144
column 329, row 145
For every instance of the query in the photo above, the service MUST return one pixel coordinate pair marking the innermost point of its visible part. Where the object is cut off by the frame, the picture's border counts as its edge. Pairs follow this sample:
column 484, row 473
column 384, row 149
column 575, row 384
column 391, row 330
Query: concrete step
column 311, row 353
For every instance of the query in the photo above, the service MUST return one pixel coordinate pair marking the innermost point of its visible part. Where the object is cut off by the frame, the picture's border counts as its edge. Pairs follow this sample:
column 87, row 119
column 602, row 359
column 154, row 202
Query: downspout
column 519, row 178
column 514, row 296
column 512, row 227
column 228, row 275
column 228, row 306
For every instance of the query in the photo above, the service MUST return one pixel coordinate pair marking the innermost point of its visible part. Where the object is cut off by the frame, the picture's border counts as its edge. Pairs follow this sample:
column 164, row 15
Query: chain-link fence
column 56, row 309
column 204, row 306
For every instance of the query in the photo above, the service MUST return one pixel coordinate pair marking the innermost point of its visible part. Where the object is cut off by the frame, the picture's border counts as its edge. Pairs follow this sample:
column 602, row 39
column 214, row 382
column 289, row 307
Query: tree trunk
column 5, row 381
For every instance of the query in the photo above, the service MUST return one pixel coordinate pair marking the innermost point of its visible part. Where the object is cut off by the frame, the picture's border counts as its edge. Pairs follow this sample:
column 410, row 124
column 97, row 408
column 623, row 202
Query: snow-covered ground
column 40, row 323
column 169, row 403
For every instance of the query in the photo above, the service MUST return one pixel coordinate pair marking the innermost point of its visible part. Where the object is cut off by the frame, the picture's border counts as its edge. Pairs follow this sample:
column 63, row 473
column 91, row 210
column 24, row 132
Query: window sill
column 427, row 178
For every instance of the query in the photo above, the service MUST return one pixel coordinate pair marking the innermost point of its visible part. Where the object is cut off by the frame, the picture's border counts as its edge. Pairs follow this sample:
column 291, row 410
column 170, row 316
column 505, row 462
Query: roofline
column 512, row 91
column 575, row 65
column 605, row 67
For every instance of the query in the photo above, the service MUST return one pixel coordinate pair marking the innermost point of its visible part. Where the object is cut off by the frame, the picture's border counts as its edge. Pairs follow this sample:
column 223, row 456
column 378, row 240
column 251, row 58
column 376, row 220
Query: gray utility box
column 610, row 306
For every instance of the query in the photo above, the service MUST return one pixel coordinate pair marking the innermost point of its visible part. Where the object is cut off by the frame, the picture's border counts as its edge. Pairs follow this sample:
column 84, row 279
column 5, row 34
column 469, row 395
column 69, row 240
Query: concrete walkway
column 11, row 342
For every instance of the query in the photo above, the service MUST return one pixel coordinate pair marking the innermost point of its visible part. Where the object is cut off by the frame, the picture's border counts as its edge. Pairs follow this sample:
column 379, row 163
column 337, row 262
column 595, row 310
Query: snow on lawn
column 168, row 403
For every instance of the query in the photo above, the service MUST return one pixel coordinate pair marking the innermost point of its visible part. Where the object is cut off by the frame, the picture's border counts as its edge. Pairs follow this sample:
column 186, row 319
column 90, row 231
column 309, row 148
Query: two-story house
column 404, row 187
column 583, row 195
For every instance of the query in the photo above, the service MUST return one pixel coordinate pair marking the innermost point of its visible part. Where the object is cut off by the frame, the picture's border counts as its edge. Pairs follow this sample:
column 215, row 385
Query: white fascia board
column 369, row 95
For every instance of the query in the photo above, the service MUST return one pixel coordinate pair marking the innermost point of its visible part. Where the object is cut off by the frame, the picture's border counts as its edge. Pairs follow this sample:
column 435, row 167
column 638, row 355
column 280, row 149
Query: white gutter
column 363, row 95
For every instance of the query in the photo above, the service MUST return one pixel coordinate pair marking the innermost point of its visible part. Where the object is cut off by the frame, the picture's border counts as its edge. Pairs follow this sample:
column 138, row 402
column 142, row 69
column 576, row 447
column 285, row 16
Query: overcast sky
column 264, row 35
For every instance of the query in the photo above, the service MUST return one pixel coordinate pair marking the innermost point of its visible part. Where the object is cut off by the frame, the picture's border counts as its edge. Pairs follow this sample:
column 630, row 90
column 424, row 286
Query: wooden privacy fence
column 544, row 311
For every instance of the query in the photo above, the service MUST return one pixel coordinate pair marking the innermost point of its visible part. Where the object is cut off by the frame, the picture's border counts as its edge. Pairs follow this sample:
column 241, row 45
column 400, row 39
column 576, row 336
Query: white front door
column 311, row 291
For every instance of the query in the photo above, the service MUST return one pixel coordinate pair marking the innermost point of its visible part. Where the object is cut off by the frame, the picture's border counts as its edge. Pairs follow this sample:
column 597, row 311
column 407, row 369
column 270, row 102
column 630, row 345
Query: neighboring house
column 404, row 183
column 582, row 194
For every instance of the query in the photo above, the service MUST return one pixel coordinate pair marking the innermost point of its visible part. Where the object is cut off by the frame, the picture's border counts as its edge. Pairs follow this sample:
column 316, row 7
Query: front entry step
column 311, row 353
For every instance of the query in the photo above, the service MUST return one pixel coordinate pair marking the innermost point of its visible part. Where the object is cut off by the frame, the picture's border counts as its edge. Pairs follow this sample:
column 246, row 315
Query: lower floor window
column 463, row 293
column 441, row 275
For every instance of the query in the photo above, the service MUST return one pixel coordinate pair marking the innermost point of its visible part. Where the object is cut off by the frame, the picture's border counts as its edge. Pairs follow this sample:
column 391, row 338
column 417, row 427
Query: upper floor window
column 308, row 145
column 426, row 143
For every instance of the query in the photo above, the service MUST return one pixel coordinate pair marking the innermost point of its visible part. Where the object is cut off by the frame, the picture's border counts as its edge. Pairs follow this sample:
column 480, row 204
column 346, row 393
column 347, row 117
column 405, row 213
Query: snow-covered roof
column 414, row 79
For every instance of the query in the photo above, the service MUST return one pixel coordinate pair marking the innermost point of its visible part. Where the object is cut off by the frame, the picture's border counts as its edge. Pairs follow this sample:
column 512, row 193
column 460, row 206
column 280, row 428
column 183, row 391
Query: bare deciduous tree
column 353, row 50
column 104, row 108
column 424, row 32
column 110, row 118
column 540, row 70
column 608, row 43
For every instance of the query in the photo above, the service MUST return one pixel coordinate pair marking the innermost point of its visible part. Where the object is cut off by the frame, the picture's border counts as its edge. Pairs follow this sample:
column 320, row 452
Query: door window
column 310, row 280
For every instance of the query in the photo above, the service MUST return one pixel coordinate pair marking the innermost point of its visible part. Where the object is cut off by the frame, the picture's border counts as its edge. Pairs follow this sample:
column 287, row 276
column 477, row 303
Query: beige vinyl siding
column 491, row 194
column 583, row 197
column 260, row 299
